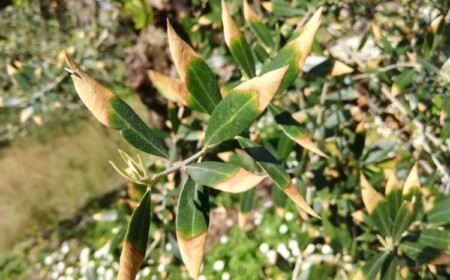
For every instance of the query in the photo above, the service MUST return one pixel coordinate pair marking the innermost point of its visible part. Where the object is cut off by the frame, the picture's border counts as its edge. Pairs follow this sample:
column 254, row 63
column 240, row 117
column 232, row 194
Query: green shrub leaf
column 201, row 82
column 237, row 44
column 133, row 129
column 242, row 106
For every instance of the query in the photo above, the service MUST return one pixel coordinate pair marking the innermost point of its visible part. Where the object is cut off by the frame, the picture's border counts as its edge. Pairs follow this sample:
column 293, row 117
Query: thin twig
column 178, row 166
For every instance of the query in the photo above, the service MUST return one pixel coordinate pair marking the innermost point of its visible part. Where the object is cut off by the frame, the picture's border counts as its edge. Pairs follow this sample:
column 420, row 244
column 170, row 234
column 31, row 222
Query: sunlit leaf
column 111, row 111
column 200, row 81
column 405, row 216
column 295, row 52
column 242, row 106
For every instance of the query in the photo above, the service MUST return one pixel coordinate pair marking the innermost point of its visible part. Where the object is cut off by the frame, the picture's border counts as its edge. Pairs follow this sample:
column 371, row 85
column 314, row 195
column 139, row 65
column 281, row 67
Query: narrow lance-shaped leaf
column 223, row 176
column 371, row 269
column 201, row 82
column 111, row 111
column 270, row 165
column 192, row 224
column 421, row 254
column 295, row 52
column 171, row 88
column 258, row 26
column 370, row 196
column 293, row 129
column 135, row 244
column 381, row 219
column 405, row 216
column 242, row 106
column 237, row 44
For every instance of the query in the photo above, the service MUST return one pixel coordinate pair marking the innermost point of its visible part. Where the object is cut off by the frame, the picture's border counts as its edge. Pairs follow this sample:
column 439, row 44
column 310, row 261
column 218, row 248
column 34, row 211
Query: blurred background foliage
column 392, row 111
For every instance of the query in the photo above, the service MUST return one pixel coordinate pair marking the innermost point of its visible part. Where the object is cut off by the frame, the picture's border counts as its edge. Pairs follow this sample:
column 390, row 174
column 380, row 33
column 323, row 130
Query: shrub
column 226, row 122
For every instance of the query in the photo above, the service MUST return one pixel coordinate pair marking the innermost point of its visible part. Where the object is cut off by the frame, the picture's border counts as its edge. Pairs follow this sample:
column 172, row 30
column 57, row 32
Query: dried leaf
column 370, row 196
column 292, row 192
column 93, row 95
column 192, row 252
column 412, row 181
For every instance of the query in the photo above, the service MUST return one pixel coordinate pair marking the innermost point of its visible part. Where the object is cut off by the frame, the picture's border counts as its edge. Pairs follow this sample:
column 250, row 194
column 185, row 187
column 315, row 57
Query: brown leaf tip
column 249, row 14
column 181, row 52
column 230, row 30
column 192, row 250
column 266, row 86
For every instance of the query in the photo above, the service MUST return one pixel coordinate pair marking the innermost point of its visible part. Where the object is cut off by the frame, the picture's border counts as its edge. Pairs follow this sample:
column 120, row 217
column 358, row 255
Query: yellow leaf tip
column 230, row 30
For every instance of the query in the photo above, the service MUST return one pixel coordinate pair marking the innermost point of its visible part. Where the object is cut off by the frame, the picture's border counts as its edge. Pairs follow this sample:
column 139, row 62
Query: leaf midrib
column 231, row 119
column 129, row 126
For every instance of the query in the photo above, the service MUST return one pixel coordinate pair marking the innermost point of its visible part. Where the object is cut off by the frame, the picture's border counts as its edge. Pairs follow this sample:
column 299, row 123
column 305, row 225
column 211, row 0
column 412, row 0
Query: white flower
column 327, row 250
column 48, row 260
column 293, row 245
column 65, row 248
column 146, row 271
column 84, row 255
column 109, row 274
column 271, row 256
column 289, row 216
column 264, row 248
column 224, row 239
column 310, row 249
column 283, row 229
column 226, row 276
column 218, row 265
column 284, row 252
column 168, row 247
